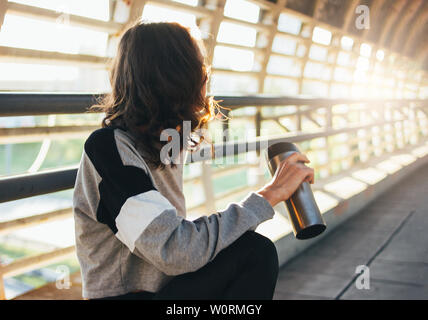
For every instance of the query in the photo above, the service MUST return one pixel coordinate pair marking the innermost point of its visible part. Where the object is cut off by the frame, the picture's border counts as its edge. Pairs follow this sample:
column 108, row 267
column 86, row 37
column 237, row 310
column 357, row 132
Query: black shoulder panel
column 118, row 182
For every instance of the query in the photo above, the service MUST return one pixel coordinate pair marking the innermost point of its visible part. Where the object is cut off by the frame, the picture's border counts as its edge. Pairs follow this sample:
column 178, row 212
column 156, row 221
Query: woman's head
column 158, row 81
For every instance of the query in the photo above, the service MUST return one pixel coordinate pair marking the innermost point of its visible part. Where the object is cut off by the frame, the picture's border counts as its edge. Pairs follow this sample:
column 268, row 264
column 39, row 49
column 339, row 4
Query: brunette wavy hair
column 158, row 81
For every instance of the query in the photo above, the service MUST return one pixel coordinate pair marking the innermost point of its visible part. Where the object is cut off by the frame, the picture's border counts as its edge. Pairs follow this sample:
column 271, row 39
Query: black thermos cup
column 303, row 211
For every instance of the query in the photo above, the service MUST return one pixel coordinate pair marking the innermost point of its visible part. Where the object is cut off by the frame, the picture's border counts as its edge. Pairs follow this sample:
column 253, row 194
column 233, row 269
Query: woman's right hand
column 288, row 177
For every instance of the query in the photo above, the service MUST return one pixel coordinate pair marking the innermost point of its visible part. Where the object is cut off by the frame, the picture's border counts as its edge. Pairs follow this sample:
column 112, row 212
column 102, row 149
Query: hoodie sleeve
column 148, row 224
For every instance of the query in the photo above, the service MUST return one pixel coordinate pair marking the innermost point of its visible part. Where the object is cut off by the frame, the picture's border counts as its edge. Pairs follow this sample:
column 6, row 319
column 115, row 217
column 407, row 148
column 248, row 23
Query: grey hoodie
column 130, row 220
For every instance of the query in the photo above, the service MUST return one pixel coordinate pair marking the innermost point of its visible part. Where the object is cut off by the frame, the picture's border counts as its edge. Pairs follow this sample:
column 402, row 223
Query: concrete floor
column 390, row 236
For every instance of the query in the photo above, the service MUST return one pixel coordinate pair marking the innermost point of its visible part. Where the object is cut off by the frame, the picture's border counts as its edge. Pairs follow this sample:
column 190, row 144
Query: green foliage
column 63, row 153
column 13, row 252
column 17, row 158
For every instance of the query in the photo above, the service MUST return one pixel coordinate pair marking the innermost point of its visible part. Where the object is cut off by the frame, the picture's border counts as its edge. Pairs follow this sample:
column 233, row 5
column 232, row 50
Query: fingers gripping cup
column 303, row 211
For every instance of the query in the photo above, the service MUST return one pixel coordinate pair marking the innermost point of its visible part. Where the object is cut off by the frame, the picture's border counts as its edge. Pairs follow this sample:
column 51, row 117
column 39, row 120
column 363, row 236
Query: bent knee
column 263, row 248
column 262, row 242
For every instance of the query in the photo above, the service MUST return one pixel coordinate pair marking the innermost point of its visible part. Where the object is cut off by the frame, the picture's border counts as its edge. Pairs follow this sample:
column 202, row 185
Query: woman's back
column 108, row 266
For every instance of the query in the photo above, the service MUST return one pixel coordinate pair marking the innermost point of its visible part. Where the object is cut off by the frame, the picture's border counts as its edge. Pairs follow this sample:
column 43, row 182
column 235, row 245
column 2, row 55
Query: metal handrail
column 24, row 104
column 34, row 184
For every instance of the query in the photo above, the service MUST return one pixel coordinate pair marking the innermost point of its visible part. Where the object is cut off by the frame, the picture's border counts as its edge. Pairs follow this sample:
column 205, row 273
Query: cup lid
column 279, row 148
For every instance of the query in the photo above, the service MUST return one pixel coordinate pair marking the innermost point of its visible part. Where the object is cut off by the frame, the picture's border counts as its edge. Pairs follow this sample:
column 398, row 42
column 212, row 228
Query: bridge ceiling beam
column 423, row 53
column 52, row 15
column 349, row 14
column 3, row 8
column 415, row 29
column 36, row 56
column 404, row 20
column 375, row 10
column 318, row 8
column 394, row 13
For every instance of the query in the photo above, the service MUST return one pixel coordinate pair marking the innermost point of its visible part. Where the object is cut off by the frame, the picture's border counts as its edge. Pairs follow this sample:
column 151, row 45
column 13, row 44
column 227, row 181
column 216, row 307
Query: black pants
column 247, row 269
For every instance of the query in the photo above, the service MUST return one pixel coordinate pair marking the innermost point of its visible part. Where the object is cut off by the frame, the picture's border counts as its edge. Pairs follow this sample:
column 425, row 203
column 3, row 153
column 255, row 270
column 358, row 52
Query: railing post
column 403, row 124
column 3, row 9
column 329, row 117
column 299, row 119
column 258, row 124
column 329, row 126
column 225, row 127
column 208, row 187
column 383, row 130
column 2, row 291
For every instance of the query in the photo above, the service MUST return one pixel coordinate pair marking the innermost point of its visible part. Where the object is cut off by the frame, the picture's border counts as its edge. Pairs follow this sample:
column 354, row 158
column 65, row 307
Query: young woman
column 132, row 237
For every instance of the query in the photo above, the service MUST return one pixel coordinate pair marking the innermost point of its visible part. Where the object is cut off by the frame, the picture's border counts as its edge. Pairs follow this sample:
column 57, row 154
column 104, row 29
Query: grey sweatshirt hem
column 87, row 294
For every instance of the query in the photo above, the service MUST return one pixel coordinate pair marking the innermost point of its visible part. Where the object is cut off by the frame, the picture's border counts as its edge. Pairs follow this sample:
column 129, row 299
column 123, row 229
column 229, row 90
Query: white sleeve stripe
column 137, row 213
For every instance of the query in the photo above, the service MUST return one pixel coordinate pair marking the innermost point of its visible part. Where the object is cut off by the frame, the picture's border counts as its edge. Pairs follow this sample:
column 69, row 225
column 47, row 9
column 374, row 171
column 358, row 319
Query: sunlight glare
column 232, row 58
column 369, row 175
column 325, row 202
column 236, row 34
column 365, row 50
column 283, row 66
column 363, row 64
column 284, row 45
column 37, row 72
column 95, row 9
column 380, row 55
column 276, row 228
column 321, row 36
column 345, row 187
column 289, row 24
column 347, row 43
column 242, row 10
column 22, row 32
column 155, row 13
